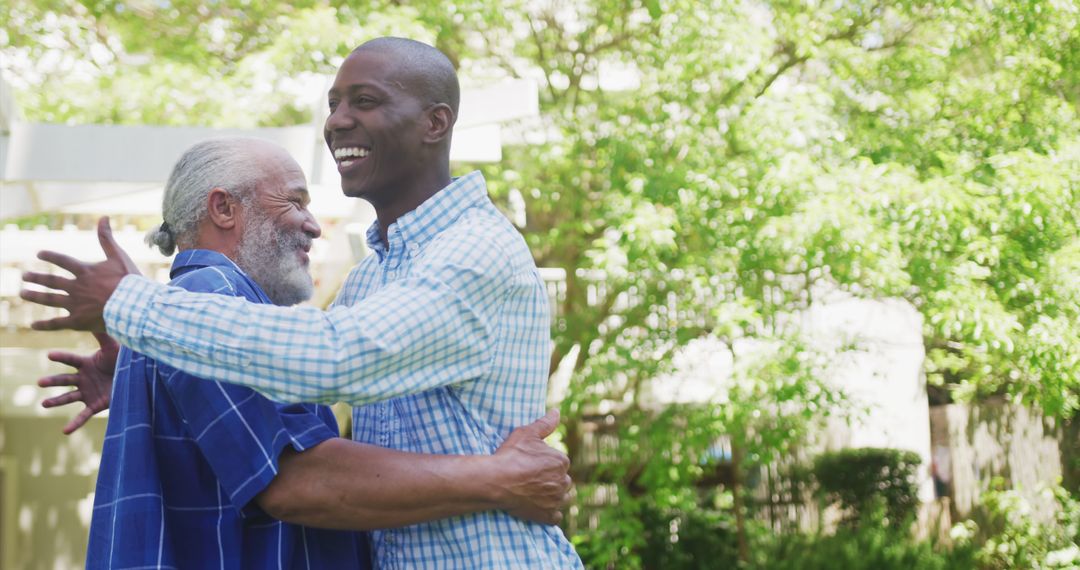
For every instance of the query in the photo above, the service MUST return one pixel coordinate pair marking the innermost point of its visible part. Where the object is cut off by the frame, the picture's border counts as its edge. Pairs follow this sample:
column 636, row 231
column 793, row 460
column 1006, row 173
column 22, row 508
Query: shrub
column 665, row 538
column 686, row 539
column 1011, row 538
column 871, row 545
column 860, row 478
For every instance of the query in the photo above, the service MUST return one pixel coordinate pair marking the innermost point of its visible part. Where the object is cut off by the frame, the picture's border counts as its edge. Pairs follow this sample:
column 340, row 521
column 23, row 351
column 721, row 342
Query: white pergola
column 121, row 169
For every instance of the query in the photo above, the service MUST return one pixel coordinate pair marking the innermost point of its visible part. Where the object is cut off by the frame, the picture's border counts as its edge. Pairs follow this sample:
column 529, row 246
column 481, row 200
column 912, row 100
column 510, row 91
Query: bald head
column 424, row 70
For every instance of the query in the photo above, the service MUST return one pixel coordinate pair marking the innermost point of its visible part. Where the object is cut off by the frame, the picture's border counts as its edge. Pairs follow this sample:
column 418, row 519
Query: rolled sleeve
column 241, row 434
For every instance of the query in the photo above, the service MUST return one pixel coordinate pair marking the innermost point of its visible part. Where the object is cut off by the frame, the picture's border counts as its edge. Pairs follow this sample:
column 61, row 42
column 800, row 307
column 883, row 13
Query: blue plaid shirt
column 183, row 460
column 447, row 325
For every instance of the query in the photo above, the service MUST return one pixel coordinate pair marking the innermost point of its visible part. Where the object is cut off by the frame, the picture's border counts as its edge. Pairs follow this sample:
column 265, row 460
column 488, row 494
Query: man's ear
column 440, row 123
column 222, row 209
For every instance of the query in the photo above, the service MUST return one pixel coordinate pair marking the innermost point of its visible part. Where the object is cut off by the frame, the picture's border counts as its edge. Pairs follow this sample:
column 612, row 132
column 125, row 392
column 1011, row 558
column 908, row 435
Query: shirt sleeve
column 239, row 432
column 433, row 328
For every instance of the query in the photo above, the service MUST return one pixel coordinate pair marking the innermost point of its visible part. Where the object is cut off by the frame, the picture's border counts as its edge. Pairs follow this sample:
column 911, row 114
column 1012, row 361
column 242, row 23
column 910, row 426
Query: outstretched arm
column 427, row 330
column 92, row 380
column 347, row 485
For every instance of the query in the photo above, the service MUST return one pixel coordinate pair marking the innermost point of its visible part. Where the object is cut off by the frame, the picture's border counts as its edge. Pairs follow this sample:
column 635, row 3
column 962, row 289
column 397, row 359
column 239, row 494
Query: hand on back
column 537, row 481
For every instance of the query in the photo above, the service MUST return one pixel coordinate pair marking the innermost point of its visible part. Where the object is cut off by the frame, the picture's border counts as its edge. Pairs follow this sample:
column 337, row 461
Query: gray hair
column 226, row 163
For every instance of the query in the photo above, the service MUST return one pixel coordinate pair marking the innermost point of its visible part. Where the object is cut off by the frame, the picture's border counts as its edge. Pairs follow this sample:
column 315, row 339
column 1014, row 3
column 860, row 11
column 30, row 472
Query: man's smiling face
column 375, row 127
column 278, row 229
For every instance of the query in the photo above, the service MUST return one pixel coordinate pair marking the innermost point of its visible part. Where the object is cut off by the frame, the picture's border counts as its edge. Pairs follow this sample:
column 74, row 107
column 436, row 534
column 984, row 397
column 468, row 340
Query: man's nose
column 339, row 119
column 311, row 227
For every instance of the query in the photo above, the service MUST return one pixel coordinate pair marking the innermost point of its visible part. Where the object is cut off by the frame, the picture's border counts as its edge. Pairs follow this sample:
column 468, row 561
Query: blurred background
column 814, row 266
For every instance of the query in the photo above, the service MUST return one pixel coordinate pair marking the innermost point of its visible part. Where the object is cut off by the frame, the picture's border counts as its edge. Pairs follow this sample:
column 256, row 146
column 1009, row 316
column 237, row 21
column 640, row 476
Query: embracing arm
column 347, row 485
column 427, row 330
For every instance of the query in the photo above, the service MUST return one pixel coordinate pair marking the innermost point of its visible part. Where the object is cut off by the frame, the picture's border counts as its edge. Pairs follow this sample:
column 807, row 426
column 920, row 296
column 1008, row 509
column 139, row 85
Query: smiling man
column 441, row 338
column 199, row 474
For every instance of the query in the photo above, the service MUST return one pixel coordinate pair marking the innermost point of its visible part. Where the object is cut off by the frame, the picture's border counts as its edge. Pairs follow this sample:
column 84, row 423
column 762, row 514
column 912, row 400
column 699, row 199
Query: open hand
column 84, row 296
column 92, row 380
column 537, row 484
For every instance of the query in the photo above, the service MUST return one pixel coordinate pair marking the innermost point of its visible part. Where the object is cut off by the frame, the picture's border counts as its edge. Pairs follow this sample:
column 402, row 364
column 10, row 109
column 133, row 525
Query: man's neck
column 389, row 213
column 213, row 239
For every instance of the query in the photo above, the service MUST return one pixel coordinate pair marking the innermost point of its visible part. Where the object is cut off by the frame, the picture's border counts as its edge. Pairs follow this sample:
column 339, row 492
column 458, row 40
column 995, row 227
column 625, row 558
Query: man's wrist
column 490, row 477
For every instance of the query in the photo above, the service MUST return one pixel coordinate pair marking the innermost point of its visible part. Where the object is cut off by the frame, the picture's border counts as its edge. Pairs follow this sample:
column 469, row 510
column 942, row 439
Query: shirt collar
column 436, row 213
column 192, row 259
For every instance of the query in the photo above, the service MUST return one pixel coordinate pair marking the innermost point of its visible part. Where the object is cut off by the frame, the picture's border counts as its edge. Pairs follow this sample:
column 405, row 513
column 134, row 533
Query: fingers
column 58, row 380
column 566, row 499
column 48, row 280
column 57, row 324
column 78, row 421
column 105, row 238
column 63, row 261
column 106, row 342
column 111, row 248
column 541, row 515
column 44, row 298
column 63, row 399
column 544, row 426
column 70, row 358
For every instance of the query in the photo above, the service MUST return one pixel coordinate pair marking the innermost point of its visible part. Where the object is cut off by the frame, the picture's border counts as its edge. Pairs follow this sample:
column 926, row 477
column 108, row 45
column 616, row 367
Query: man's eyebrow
column 302, row 193
column 352, row 88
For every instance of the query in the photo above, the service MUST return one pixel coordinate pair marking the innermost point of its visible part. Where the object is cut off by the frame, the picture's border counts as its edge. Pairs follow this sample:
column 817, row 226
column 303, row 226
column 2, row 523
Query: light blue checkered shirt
column 447, row 326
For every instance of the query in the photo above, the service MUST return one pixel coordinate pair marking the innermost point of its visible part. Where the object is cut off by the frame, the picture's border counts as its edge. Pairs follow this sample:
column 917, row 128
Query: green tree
column 700, row 170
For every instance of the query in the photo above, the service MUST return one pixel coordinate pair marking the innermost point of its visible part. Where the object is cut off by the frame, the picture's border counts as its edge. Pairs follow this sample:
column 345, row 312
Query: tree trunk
column 738, row 492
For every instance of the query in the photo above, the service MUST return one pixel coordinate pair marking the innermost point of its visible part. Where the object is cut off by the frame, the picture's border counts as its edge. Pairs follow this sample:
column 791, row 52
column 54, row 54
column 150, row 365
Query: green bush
column 667, row 538
column 860, row 479
column 868, row 546
column 677, row 539
column 1010, row 538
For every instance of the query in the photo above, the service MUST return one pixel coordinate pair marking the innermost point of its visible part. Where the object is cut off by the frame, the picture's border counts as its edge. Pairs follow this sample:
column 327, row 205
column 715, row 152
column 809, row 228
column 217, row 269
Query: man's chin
column 353, row 193
column 363, row 189
column 295, row 294
column 352, row 187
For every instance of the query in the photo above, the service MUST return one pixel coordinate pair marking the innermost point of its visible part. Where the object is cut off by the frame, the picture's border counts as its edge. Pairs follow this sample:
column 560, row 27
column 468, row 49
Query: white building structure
column 879, row 357
column 121, row 169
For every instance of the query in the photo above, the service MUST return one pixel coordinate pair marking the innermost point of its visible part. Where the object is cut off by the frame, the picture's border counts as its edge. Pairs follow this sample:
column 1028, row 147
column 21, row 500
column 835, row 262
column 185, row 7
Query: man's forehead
column 280, row 169
column 371, row 67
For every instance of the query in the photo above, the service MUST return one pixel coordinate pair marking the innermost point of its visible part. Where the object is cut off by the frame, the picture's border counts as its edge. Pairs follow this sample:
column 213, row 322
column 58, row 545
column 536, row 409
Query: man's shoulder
column 220, row 279
column 359, row 272
column 484, row 233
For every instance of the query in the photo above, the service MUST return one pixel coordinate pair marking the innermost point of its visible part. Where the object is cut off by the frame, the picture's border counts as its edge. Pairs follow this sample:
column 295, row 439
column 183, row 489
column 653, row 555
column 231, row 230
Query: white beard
column 269, row 256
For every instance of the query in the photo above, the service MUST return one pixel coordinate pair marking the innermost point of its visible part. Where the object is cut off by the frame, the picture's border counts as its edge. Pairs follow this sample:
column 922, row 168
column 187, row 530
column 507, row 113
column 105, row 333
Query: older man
column 448, row 320
column 192, row 470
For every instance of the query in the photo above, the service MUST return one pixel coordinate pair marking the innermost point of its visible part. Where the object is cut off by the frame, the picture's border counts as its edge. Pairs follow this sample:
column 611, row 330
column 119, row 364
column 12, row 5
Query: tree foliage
column 700, row 170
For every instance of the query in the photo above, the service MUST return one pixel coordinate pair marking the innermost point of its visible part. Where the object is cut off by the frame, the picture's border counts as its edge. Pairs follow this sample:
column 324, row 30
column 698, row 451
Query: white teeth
column 341, row 153
column 345, row 162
